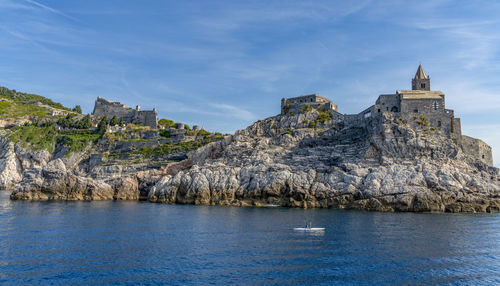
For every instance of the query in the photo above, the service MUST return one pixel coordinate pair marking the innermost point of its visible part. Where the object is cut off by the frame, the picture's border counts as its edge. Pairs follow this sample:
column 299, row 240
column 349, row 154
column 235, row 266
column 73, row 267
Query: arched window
column 394, row 109
column 436, row 105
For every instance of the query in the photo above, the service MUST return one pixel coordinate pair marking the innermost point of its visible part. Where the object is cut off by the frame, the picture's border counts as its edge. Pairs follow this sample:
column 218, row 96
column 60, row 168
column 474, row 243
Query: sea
column 141, row 243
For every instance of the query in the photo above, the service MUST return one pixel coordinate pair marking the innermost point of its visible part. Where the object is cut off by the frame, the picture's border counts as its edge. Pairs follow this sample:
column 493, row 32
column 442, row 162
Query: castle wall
column 107, row 108
column 146, row 118
column 457, row 129
column 477, row 149
column 296, row 104
column 388, row 103
column 104, row 107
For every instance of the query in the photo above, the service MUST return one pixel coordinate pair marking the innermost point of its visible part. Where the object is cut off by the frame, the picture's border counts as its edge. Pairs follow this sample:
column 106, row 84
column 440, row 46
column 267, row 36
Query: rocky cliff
column 386, row 166
column 285, row 160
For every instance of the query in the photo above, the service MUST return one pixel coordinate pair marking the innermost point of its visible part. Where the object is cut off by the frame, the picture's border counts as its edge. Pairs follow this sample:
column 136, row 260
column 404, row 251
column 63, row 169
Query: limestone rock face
column 125, row 188
column 10, row 167
column 54, row 182
column 14, row 160
column 384, row 167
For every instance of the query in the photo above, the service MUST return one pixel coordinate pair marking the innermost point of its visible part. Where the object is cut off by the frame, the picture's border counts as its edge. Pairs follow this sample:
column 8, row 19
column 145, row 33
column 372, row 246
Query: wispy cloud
column 235, row 112
column 50, row 9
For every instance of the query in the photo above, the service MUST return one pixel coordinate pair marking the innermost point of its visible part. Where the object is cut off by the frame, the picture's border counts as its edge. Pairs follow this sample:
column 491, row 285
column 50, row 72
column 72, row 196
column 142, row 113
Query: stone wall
column 104, row 107
column 296, row 104
column 477, row 149
column 432, row 109
column 388, row 103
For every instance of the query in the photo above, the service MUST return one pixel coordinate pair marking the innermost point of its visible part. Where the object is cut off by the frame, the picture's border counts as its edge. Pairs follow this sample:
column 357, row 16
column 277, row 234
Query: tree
column 78, row 109
column 121, row 123
column 103, row 124
column 114, row 121
column 166, row 123
column 66, row 122
column 84, row 123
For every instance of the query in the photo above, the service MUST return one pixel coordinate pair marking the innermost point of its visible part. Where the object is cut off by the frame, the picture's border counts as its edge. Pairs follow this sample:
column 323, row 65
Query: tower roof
column 420, row 73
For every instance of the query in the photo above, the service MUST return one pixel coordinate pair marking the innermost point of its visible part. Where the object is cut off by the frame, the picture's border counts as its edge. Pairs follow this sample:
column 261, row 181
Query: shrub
column 286, row 108
column 166, row 123
column 324, row 116
column 67, row 121
column 77, row 109
column 113, row 121
column 422, row 121
column 103, row 124
column 305, row 109
column 165, row 133
column 83, row 123
column 203, row 132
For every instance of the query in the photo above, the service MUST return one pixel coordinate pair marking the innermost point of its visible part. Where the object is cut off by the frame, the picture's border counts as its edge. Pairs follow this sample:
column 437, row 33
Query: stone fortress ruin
column 420, row 104
column 104, row 107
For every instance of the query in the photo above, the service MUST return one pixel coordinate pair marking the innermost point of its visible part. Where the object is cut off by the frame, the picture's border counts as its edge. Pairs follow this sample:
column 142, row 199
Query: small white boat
column 309, row 228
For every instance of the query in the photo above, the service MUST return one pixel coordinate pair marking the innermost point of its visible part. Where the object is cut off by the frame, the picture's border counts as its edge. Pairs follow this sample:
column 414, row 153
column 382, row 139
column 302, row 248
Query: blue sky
column 225, row 64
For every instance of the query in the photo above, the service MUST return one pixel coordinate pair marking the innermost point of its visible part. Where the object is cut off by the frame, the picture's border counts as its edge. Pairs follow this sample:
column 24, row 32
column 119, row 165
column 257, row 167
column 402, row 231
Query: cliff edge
column 388, row 165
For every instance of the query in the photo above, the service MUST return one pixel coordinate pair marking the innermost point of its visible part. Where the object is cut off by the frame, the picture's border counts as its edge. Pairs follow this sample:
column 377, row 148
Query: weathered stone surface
column 390, row 167
column 125, row 188
column 54, row 182
column 14, row 160
column 10, row 166
column 385, row 167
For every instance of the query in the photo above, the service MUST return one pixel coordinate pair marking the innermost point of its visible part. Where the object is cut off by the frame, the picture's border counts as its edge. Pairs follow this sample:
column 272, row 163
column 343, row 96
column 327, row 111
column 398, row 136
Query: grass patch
column 77, row 141
column 170, row 148
column 12, row 109
column 35, row 137
column 27, row 98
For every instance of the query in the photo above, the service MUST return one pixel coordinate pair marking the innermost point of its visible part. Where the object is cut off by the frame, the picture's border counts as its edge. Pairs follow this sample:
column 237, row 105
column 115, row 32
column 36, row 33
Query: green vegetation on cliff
column 28, row 98
column 13, row 109
column 47, row 136
column 77, row 141
column 35, row 137
column 170, row 148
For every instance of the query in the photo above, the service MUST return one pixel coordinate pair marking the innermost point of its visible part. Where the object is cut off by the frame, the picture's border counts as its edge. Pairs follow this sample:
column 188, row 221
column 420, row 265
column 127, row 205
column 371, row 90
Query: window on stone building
column 436, row 105
column 439, row 123
column 394, row 109
column 387, row 109
column 483, row 156
column 415, row 110
column 379, row 110
column 422, row 85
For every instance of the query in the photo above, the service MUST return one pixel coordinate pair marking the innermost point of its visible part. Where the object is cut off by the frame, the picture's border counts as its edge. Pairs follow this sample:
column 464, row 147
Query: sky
column 225, row 64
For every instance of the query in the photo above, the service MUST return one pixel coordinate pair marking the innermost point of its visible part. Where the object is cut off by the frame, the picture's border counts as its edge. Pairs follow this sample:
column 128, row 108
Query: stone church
column 411, row 105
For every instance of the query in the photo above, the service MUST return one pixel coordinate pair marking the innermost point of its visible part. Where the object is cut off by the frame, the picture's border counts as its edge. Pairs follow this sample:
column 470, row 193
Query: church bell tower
column 421, row 81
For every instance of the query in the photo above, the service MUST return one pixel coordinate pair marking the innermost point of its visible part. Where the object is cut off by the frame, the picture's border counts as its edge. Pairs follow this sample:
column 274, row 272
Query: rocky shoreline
column 388, row 166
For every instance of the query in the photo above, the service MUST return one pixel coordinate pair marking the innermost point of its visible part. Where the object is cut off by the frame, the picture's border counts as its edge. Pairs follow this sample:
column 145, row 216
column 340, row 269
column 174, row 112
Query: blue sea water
column 67, row 243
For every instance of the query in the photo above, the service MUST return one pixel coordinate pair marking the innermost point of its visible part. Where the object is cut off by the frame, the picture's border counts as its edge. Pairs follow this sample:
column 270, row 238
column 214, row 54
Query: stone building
column 417, row 106
column 104, row 107
column 421, row 102
column 296, row 104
